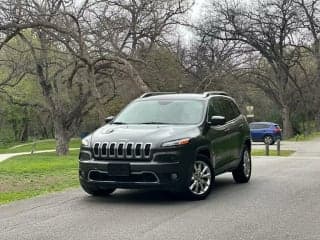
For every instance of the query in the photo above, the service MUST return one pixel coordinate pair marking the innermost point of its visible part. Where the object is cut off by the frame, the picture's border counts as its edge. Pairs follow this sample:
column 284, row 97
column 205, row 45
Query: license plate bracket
column 119, row 169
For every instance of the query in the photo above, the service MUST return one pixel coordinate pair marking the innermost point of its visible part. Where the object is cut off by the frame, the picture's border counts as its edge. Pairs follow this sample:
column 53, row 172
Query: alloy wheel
column 268, row 140
column 201, row 178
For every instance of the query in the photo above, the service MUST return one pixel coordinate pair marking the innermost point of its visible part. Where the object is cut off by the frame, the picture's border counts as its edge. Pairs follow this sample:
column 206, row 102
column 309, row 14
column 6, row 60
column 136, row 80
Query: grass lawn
column 39, row 145
column 300, row 138
column 31, row 175
column 262, row 152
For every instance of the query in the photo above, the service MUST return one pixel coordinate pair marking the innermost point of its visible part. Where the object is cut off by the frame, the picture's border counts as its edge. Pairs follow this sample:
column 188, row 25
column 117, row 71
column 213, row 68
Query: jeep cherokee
column 176, row 142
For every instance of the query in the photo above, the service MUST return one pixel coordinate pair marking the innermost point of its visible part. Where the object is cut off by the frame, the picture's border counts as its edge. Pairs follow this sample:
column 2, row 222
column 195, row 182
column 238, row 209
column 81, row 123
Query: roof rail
column 149, row 94
column 207, row 94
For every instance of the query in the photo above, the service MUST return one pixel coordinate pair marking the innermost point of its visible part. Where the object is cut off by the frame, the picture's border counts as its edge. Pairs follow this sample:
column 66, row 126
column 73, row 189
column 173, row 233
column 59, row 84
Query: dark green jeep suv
column 177, row 142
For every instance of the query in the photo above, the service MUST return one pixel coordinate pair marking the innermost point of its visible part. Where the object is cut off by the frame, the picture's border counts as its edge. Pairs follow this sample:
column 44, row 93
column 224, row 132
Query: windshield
column 162, row 112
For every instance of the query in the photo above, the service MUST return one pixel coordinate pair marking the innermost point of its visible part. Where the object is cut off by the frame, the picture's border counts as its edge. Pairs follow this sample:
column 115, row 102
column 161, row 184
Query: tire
column 268, row 139
column 95, row 191
column 242, row 173
column 200, row 179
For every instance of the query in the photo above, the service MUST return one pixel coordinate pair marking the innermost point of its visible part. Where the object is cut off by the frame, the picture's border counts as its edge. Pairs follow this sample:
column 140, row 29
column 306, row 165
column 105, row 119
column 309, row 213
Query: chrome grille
column 104, row 152
column 96, row 149
column 138, row 150
column 122, row 150
column 129, row 150
column 112, row 150
column 147, row 150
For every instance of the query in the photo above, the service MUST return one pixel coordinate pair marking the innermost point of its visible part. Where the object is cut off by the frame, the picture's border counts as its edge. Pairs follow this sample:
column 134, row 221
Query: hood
column 155, row 134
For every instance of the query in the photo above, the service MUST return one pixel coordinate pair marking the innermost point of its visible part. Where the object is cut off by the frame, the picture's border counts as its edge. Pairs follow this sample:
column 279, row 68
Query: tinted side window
column 228, row 109
column 236, row 111
column 254, row 126
column 215, row 108
column 258, row 126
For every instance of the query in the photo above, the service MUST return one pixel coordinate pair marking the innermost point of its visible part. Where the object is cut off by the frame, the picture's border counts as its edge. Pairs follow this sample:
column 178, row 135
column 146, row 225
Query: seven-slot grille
column 121, row 150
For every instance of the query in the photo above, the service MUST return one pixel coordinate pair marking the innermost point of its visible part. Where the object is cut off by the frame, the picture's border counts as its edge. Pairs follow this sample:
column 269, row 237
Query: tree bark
column 286, row 122
column 25, row 131
column 62, row 138
column 317, row 121
column 24, row 135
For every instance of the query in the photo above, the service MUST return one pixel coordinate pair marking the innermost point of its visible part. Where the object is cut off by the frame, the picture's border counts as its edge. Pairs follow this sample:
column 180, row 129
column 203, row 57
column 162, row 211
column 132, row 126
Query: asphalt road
column 281, row 202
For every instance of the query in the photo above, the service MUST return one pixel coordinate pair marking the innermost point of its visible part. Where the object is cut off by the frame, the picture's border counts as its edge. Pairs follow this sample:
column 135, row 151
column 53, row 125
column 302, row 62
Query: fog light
column 174, row 176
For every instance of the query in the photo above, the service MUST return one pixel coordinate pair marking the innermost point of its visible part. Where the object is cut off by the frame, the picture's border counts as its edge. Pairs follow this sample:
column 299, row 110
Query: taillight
column 277, row 130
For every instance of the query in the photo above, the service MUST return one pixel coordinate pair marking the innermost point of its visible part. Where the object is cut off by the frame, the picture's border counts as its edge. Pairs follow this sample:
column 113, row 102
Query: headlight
column 177, row 142
column 86, row 142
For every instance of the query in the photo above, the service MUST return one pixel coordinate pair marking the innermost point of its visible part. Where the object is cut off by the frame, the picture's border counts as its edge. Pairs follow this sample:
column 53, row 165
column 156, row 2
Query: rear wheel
column 95, row 191
column 268, row 140
column 201, row 179
column 242, row 173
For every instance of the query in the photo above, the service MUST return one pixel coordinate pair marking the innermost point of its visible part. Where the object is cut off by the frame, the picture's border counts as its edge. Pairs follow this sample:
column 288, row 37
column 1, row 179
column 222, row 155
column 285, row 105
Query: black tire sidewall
column 238, row 174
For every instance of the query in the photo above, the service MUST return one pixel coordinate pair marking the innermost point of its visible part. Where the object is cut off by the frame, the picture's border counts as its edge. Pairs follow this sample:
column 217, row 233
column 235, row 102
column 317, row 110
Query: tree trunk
column 286, row 122
column 24, row 135
column 317, row 121
column 62, row 138
column 25, row 131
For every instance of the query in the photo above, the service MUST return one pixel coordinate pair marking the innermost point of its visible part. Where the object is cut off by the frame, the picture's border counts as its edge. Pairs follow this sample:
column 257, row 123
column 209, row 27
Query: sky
column 196, row 9
column 185, row 34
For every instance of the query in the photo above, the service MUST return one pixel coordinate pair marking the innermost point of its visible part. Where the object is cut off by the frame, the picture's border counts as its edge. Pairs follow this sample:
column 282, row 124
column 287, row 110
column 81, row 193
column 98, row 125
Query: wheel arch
column 204, row 150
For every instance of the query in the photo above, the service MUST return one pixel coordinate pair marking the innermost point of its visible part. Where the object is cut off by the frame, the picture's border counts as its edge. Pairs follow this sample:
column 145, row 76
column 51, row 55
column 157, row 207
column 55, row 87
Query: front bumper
column 170, row 175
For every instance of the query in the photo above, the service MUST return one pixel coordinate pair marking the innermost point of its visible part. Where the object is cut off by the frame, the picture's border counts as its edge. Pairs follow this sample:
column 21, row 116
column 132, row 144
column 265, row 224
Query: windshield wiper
column 153, row 123
column 118, row 123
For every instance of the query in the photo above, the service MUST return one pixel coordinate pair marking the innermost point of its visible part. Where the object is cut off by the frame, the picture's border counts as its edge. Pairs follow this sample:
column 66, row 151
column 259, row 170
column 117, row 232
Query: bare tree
column 39, row 56
column 309, row 16
column 211, row 62
column 66, row 97
column 105, row 36
column 269, row 28
column 79, row 49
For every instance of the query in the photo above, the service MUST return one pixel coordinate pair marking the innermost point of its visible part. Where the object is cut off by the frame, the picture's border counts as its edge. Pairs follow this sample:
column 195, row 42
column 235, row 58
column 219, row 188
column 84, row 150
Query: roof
column 173, row 96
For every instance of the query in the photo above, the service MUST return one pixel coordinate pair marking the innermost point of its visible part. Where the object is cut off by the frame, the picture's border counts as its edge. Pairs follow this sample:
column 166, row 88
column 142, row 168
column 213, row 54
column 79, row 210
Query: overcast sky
column 197, row 9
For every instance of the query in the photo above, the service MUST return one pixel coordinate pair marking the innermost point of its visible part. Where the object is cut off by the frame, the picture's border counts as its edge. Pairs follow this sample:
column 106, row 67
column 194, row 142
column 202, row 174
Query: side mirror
column 108, row 119
column 217, row 120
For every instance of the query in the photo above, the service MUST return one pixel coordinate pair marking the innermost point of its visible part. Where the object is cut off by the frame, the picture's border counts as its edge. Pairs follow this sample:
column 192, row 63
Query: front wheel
column 242, row 173
column 201, row 179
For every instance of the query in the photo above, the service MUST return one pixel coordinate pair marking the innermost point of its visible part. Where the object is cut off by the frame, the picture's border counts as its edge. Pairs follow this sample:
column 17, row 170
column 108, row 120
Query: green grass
column 39, row 145
column 300, row 138
column 32, row 175
column 262, row 152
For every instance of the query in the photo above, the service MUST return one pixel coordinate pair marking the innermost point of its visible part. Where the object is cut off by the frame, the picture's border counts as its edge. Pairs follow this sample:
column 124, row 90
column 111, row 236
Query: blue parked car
column 266, row 132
